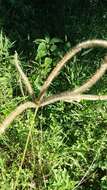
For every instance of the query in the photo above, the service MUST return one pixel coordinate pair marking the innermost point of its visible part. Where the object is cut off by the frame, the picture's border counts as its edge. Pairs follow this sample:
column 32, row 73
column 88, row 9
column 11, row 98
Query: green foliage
column 5, row 75
column 45, row 58
column 66, row 138
column 5, row 89
column 61, row 180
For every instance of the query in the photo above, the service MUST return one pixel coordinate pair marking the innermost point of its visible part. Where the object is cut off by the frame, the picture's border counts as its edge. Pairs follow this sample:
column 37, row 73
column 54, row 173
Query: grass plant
column 62, row 146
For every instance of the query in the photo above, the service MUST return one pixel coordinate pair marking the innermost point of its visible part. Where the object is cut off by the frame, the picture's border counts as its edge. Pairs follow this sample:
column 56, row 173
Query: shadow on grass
column 24, row 21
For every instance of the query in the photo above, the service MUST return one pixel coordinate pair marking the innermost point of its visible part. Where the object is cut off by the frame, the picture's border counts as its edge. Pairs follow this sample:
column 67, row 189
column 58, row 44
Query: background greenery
column 66, row 137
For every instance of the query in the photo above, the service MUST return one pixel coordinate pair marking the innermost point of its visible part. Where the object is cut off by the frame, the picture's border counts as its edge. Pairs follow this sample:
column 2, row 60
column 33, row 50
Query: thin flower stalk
column 74, row 95
column 66, row 58
column 24, row 77
column 10, row 118
column 72, row 98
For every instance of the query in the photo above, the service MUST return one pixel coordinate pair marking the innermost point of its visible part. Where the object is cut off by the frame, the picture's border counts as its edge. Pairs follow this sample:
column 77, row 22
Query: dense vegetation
column 67, row 139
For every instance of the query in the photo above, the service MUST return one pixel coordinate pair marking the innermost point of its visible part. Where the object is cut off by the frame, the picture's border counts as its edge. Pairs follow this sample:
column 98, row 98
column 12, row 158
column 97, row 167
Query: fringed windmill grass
column 67, row 96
